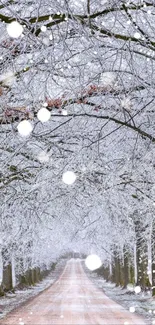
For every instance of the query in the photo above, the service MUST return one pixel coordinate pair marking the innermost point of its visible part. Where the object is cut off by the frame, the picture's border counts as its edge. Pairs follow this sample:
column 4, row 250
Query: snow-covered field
column 13, row 300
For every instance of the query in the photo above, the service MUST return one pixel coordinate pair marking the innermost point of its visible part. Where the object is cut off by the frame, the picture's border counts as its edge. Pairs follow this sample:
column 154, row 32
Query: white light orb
column 137, row 289
column 69, row 177
column 93, row 262
column 64, row 112
column 43, row 115
column 14, row 29
column 132, row 309
column 137, row 35
column 43, row 29
column 25, row 128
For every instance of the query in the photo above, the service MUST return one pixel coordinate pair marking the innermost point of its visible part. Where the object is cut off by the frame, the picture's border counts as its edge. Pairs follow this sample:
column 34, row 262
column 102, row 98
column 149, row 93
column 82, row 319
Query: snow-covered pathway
column 72, row 299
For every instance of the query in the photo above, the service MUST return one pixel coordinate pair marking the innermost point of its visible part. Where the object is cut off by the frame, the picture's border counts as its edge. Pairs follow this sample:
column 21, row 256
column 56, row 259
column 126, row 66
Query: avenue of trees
column 91, row 64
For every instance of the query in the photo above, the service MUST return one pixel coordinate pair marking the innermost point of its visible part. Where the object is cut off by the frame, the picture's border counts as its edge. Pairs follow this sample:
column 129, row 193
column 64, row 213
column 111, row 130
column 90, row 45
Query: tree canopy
column 91, row 65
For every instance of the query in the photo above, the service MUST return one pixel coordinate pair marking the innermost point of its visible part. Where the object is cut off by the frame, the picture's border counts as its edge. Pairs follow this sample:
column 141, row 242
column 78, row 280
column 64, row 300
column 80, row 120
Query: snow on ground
column 13, row 300
column 76, row 300
column 143, row 303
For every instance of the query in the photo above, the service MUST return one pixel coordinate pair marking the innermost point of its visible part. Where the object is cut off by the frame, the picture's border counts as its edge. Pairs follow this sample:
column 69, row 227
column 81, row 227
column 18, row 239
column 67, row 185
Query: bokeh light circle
column 93, row 262
column 14, row 29
column 24, row 128
column 69, row 177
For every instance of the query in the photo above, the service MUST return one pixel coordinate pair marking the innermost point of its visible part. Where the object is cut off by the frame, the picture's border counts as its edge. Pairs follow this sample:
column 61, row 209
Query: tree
column 91, row 65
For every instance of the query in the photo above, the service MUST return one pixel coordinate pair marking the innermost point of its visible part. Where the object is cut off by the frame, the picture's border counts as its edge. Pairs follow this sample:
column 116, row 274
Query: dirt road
column 73, row 299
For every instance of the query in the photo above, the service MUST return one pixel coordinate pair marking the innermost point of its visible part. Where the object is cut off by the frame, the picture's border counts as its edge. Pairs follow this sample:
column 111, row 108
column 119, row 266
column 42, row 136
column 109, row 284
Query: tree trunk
column 153, row 259
column 150, row 257
column 117, row 271
column 7, row 277
column 135, row 265
column 13, row 271
column 1, row 274
column 140, row 256
column 126, row 269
